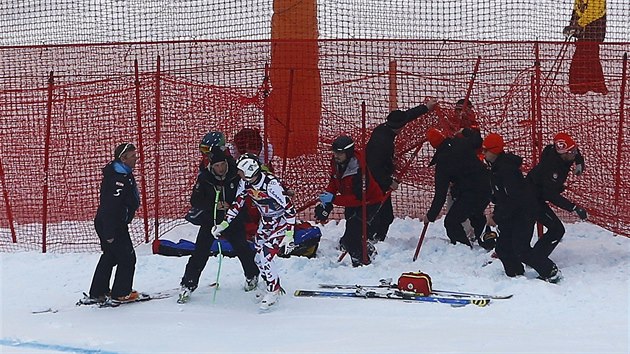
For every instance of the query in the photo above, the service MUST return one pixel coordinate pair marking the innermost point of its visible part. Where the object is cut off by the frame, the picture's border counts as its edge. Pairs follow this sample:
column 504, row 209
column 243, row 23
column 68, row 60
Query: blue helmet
column 210, row 140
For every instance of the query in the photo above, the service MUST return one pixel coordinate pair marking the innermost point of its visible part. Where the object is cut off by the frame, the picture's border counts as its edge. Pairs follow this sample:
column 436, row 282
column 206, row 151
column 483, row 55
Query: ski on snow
column 394, row 295
column 109, row 302
column 387, row 284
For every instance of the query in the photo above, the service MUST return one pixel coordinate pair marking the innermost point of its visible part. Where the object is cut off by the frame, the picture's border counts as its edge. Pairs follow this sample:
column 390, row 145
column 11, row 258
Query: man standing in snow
column 514, row 211
column 548, row 178
column 379, row 155
column 212, row 195
column 458, row 167
column 119, row 200
column 345, row 189
column 276, row 226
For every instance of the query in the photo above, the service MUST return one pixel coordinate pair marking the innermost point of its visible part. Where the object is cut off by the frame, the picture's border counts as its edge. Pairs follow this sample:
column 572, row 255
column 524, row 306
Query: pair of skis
column 387, row 290
column 388, row 284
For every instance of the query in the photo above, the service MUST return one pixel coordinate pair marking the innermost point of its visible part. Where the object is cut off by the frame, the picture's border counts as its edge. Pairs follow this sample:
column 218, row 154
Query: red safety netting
column 63, row 108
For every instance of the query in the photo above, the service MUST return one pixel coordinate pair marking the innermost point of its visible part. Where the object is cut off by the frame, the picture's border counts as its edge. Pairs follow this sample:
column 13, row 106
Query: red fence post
column 266, row 90
column 393, row 85
column 287, row 127
column 5, row 196
column 158, row 114
column 536, row 116
column 622, row 100
column 143, row 180
column 49, row 105
column 364, row 185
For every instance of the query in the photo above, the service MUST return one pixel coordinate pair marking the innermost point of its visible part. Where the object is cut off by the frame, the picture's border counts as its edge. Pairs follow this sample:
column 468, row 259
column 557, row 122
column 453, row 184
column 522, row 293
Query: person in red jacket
column 345, row 189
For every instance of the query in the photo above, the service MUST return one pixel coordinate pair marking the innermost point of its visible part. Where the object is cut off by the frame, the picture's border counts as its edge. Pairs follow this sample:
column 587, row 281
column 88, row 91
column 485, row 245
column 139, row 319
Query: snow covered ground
column 587, row 312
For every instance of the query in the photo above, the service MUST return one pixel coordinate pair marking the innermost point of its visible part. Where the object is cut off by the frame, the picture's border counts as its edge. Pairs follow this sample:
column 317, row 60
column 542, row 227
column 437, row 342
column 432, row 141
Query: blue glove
column 326, row 197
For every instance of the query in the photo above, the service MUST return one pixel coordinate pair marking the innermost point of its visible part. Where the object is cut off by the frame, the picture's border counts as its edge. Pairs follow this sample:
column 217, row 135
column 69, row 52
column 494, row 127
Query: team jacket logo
column 257, row 195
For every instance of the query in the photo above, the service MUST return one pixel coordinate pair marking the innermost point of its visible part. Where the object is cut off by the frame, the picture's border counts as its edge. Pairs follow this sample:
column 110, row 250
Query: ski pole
column 558, row 61
column 424, row 231
column 220, row 256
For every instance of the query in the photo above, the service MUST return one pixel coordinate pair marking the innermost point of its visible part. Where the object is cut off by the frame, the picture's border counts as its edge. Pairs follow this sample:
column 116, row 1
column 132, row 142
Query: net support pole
column 287, row 127
column 265, row 101
column 7, row 203
column 143, row 180
column 620, row 134
column 158, row 120
column 536, row 110
column 393, row 85
column 49, row 108
column 363, row 186
column 471, row 83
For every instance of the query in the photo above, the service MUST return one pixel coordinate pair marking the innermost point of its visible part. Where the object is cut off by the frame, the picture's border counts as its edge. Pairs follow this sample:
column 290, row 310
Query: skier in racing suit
column 276, row 226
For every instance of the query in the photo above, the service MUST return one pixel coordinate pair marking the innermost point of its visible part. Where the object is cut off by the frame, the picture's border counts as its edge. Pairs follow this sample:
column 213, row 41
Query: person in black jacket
column 548, row 178
column 514, row 212
column 457, row 166
column 119, row 200
column 212, row 195
column 379, row 155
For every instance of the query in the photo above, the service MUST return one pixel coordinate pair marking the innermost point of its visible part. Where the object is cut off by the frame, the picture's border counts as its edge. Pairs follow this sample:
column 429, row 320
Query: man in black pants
column 212, row 196
column 379, row 155
column 514, row 211
column 119, row 201
column 548, row 179
column 457, row 166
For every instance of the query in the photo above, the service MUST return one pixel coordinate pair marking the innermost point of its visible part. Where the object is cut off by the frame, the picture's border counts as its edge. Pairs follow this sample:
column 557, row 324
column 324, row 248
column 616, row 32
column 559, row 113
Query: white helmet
column 249, row 165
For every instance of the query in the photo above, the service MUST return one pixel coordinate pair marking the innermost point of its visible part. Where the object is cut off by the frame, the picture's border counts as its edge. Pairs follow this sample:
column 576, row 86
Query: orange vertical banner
column 295, row 100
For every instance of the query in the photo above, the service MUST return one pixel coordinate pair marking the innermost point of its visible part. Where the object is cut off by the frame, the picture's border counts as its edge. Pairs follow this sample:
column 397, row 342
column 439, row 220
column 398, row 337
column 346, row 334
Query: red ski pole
column 424, row 231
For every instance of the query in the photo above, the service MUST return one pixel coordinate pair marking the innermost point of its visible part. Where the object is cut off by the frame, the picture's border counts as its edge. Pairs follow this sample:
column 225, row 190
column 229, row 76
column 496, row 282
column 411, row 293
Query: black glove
column 488, row 240
column 580, row 212
column 323, row 212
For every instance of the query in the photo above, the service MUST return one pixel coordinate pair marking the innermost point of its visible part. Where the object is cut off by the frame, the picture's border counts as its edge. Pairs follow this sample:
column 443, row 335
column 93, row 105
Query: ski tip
column 44, row 310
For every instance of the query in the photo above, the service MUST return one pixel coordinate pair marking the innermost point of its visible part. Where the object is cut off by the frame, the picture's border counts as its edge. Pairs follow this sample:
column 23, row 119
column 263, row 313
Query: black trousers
column 383, row 220
column 235, row 235
column 555, row 230
column 468, row 205
column 119, row 254
column 352, row 239
column 513, row 247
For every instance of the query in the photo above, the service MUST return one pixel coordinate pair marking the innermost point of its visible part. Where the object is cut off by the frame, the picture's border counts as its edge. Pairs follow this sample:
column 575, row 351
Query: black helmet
column 343, row 143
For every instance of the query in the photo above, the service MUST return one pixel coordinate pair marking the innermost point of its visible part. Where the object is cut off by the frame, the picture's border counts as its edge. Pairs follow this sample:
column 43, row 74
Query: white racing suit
column 277, row 215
